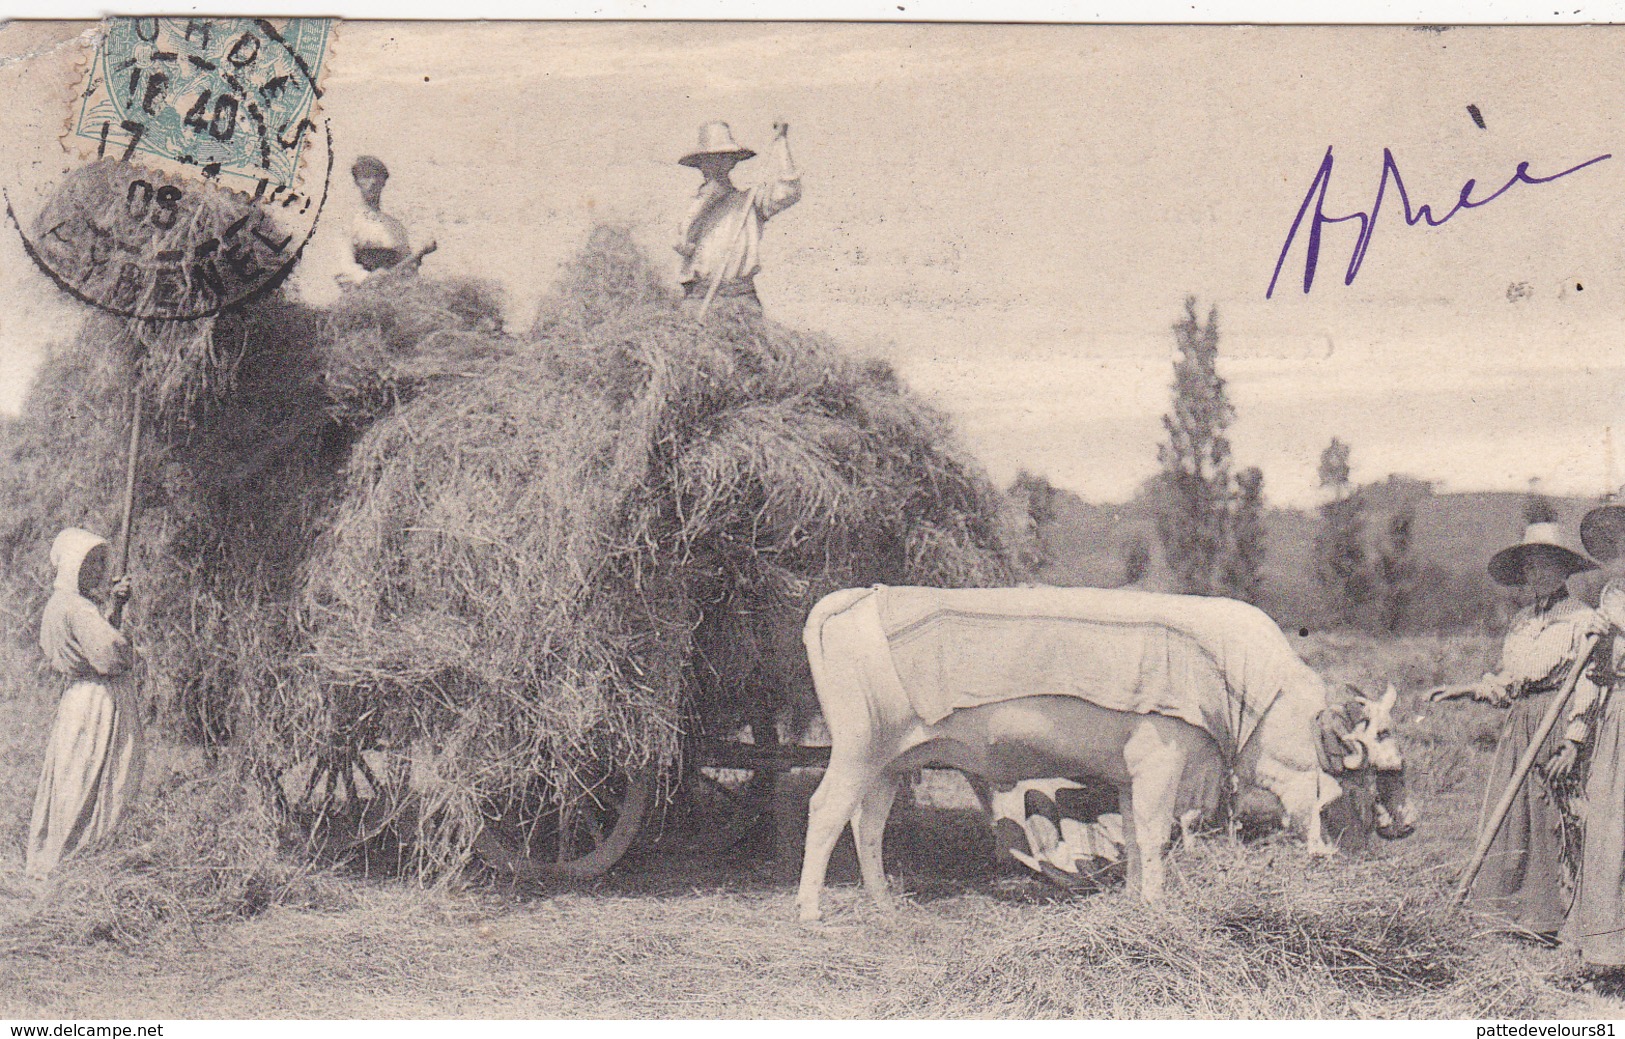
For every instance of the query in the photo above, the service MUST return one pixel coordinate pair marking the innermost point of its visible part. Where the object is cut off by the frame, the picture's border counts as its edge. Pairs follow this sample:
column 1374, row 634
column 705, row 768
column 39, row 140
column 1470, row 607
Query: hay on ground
column 200, row 847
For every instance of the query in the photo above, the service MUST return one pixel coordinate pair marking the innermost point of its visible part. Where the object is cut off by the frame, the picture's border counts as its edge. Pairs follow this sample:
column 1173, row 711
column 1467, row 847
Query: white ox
column 1025, row 683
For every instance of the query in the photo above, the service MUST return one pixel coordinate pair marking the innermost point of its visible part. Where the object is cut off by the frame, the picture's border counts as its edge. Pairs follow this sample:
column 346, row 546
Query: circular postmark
column 139, row 243
column 203, row 168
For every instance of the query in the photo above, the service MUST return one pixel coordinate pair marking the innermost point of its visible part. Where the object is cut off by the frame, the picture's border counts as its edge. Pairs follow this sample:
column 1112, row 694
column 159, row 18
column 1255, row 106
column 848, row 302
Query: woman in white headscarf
column 93, row 760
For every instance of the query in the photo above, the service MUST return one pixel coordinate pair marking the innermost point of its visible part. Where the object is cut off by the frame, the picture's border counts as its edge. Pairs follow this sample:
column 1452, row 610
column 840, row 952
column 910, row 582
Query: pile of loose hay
column 516, row 566
column 200, row 847
column 555, row 565
column 1245, row 933
column 235, row 480
column 245, row 446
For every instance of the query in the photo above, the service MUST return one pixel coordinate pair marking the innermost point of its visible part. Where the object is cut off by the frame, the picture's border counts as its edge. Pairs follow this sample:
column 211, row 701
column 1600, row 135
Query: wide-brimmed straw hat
column 716, row 142
column 1540, row 540
column 1602, row 532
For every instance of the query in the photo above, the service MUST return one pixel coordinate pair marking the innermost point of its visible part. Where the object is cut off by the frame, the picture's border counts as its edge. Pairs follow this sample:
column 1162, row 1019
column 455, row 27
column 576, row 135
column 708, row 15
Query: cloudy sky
column 1014, row 215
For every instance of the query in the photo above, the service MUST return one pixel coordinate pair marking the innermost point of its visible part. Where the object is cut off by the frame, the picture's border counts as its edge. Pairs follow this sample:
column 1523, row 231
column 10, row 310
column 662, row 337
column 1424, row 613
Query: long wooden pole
column 1548, row 721
column 131, row 461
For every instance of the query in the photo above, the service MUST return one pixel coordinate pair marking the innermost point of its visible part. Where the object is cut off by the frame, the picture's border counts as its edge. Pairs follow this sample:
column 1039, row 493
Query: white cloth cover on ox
column 1218, row 664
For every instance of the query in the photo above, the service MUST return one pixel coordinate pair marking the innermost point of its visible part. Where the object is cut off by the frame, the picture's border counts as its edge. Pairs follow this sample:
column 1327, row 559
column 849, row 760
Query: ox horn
column 1354, row 760
column 1389, row 698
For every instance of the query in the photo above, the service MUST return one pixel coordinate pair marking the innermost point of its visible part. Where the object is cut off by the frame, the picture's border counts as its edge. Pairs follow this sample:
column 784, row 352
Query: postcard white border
column 1453, row 12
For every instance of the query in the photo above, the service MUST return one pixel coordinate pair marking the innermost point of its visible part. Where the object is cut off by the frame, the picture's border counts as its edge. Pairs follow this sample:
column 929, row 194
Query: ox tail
column 812, row 634
column 841, row 675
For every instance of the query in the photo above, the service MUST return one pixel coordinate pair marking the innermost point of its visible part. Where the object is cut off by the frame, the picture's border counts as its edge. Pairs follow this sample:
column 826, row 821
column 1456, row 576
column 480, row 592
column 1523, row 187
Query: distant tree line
column 1380, row 584
column 1211, row 522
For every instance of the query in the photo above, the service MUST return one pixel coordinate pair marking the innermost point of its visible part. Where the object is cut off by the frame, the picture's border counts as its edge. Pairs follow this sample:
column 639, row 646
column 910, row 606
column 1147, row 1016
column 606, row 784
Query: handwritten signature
column 1368, row 221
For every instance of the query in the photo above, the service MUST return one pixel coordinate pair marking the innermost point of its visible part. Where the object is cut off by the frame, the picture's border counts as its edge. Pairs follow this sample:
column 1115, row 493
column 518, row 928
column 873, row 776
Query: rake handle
column 116, row 616
column 733, row 246
column 131, row 460
column 1498, row 816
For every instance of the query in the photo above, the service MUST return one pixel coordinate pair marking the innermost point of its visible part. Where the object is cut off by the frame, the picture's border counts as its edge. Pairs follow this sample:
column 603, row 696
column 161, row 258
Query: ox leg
column 868, row 833
column 1131, row 841
column 1302, row 795
column 831, row 807
column 1156, row 763
column 1187, row 829
column 1317, row 796
column 1153, row 821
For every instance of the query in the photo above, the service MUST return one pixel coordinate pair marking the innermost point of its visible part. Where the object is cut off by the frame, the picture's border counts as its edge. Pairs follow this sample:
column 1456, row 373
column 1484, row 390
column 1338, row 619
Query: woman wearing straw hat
column 1527, row 875
column 1596, row 923
column 93, row 759
column 721, row 238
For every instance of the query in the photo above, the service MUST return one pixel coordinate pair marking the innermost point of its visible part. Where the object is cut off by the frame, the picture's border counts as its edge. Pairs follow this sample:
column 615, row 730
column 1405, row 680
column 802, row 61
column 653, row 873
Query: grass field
column 1251, row 931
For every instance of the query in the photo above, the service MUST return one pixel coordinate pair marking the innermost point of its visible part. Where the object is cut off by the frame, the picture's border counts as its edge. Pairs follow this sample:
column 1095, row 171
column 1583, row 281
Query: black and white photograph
column 714, row 520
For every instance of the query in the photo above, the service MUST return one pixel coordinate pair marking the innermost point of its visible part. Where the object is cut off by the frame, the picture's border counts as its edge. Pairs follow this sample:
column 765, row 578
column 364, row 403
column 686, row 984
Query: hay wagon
column 738, row 777
column 499, row 591
column 578, row 567
column 351, row 797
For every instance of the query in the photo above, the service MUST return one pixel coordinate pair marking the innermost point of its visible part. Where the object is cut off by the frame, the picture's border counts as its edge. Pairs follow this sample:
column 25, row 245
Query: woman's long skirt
column 92, row 772
column 1525, row 879
column 1596, row 925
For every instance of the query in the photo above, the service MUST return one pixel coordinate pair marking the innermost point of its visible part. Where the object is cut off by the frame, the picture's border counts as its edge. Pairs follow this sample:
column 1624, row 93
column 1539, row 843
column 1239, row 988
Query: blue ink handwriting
column 1368, row 221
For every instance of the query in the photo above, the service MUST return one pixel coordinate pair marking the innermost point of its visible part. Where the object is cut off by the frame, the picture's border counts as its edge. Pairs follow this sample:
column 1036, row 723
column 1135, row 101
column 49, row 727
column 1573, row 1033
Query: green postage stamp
column 233, row 99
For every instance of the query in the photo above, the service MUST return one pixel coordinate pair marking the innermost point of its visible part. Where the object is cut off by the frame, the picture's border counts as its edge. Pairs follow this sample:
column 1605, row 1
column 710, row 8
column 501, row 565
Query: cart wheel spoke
column 577, row 828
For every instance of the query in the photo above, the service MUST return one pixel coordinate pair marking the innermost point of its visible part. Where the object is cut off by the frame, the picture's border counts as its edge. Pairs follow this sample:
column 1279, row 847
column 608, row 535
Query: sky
column 1013, row 216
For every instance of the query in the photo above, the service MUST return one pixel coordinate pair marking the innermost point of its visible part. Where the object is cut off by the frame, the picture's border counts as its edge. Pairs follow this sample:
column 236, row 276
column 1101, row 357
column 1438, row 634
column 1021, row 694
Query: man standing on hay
column 721, row 239
column 378, row 241
column 94, row 758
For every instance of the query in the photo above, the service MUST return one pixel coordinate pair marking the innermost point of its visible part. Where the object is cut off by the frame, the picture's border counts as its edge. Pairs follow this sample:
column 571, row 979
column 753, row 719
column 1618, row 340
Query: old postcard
column 777, row 520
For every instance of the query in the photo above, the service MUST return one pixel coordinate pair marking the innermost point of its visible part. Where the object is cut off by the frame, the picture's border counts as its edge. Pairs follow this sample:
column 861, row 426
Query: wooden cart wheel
column 581, row 844
column 325, row 780
column 347, row 808
column 732, row 785
column 740, row 785
column 329, row 788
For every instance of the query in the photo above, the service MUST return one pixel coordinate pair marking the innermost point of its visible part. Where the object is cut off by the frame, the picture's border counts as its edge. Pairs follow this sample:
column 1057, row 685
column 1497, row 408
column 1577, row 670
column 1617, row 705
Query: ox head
column 1365, row 747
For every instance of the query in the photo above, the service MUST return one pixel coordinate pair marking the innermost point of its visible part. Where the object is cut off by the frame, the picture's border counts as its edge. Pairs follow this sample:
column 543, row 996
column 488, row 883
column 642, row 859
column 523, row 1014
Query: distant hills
column 1454, row 535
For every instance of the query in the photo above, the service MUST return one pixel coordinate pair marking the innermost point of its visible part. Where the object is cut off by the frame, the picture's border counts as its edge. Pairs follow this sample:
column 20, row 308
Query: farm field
column 1248, row 931
column 518, row 531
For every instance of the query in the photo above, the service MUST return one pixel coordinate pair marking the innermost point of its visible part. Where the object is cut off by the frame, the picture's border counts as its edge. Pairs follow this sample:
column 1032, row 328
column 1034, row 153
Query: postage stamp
column 232, row 99
column 197, row 165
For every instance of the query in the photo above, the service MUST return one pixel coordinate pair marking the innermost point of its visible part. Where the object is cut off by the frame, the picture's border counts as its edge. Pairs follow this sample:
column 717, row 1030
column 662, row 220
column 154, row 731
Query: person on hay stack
column 721, row 238
column 1595, row 743
column 378, row 241
column 94, row 758
column 1528, row 875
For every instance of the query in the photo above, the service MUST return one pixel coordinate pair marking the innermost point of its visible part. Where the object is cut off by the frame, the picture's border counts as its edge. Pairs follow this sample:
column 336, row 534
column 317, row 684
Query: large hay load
column 505, row 577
